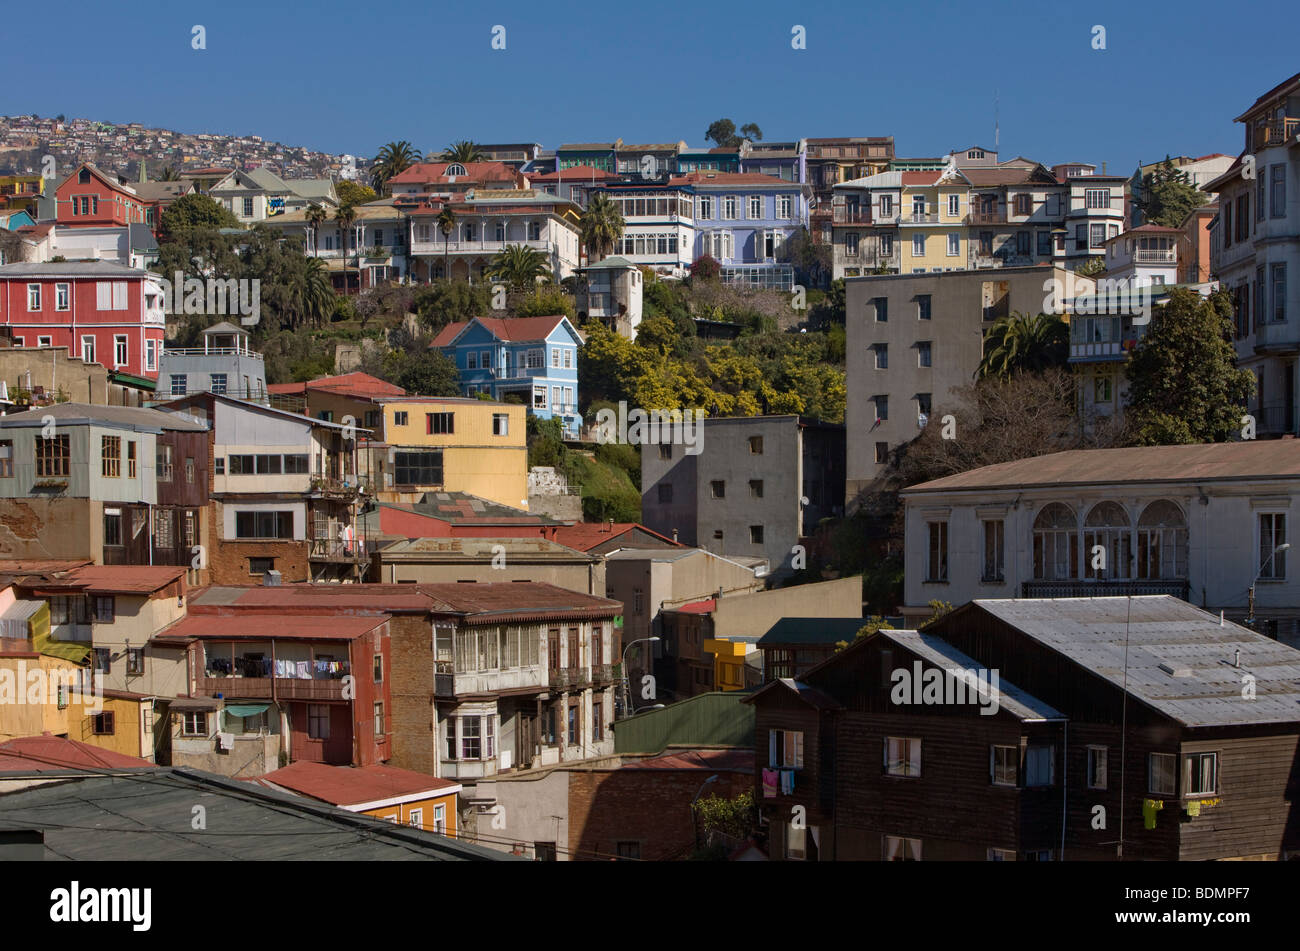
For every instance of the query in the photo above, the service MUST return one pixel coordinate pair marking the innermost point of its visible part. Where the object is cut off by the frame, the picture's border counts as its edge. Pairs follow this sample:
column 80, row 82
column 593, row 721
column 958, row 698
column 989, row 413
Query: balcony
column 566, row 677
column 333, row 488
column 1277, row 337
column 606, row 673
column 315, row 681
column 886, row 218
column 919, row 218
column 492, row 246
column 987, row 216
column 1098, row 351
column 1277, row 132
column 334, row 549
column 1102, row 589
column 1155, row 256
column 210, row 352
column 852, row 215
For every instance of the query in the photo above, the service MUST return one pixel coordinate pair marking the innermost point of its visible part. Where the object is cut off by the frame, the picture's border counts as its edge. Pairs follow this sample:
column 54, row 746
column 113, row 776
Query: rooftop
column 117, row 417
column 812, row 630
column 355, row 786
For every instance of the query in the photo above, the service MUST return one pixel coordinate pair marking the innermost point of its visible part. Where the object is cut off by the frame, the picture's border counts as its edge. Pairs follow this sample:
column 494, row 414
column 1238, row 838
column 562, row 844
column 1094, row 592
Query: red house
column 88, row 198
column 102, row 312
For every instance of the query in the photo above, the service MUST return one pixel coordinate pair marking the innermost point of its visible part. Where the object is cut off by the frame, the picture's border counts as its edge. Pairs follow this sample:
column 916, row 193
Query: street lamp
column 627, row 682
column 1250, row 611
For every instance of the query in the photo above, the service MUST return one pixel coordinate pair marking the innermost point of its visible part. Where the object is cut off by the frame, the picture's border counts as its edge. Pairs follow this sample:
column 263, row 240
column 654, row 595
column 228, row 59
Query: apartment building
column 374, row 249
column 226, row 364
column 830, row 161
column 1255, row 253
column 659, row 223
column 90, row 198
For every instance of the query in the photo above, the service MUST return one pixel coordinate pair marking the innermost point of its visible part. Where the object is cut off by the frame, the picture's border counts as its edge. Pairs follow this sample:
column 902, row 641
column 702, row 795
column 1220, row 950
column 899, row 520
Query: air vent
column 1173, row 671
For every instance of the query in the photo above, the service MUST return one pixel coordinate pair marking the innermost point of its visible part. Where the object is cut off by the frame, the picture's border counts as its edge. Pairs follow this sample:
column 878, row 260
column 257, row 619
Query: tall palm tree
column 1020, row 343
column 318, row 293
column 463, row 151
column 519, row 266
column 601, row 226
column 345, row 216
column 315, row 217
column 393, row 158
column 446, row 224
column 169, row 174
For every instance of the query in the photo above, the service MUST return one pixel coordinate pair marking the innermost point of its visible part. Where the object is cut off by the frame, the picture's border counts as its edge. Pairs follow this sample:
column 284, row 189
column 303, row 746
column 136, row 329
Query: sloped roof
column 48, row 753
column 357, row 384
column 54, row 269
column 280, row 626
column 80, row 414
column 355, row 786
column 585, row 536
column 812, row 630
column 573, row 173
column 116, row 579
column 506, row 329
column 423, row 172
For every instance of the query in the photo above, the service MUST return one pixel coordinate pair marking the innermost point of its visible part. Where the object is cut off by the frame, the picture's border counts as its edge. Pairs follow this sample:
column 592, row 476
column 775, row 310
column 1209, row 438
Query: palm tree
column 463, row 151
column 345, row 216
column 315, row 217
column 518, row 266
column 169, row 174
column 393, row 158
column 1021, row 343
column 601, row 226
column 446, row 224
column 317, row 293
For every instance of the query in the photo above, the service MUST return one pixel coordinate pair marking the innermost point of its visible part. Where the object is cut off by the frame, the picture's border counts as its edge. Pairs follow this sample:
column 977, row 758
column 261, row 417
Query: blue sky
column 348, row 77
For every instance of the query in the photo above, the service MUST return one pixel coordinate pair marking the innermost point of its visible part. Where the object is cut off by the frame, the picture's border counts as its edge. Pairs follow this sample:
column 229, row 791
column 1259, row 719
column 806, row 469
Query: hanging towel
column 769, row 783
column 787, row 782
column 304, row 670
column 1194, row 807
column 1149, row 809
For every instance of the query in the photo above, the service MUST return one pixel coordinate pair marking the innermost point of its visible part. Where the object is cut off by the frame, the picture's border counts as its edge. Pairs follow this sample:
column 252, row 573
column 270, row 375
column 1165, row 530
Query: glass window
column 902, row 756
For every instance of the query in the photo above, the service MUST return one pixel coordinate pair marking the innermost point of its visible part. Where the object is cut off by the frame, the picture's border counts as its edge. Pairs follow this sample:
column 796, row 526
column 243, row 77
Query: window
column 135, row 660
column 1003, row 761
column 573, row 726
column 1102, row 391
column 923, row 306
column 918, row 245
column 882, row 407
column 755, row 445
column 665, row 493
column 1097, row 756
column 994, row 549
column 113, row 527
column 923, row 403
column 264, row 524
column 1055, row 543
column 718, row 489
column 379, row 718
column 318, row 721
column 597, row 721
column 189, row 468
column 163, row 463
column 53, row 456
column 400, row 418
column 440, row 424
column 103, row 608
column 121, row 352
column 418, row 468
column 628, row 850
column 62, row 297
column 1161, row 773
column 666, row 451
column 1044, row 243
column 1278, row 279
column 103, row 658
column 882, row 453
column 6, row 458
column 41, row 341
column 1039, row 764
column 1162, row 541
column 756, row 534
column 923, row 353
column 194, row 724
column 902, row 756
column 1001, row 855
column 162, row 528
column 784, row 207
column 33, row 297
column 1200, row 774
column 539, row 396
column 882, row 355
column 111, row 456
column 936, row 568
column 555, row 358
column 756, row 488
column 1277, row 189
column 785, row 749
column 1096, row 198
column 1272, row 533
column 755, row 206
column 1107, row 527
column 900, row 849
column 500, row 424
column 954, row 208
column 954, row 245
column 851, row 244
column 178, row 384
column 260, row 566
column 1096, row 235
column 881, row 307
column 88, row 349
column 730, row 208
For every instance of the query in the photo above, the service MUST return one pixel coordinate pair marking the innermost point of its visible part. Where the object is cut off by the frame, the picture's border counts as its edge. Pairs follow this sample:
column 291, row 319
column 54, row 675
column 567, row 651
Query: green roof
column 707, row 719
column 812, row 630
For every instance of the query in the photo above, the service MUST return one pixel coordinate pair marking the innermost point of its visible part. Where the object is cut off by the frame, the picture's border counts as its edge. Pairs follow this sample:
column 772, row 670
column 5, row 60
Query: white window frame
column 918, row 245
column 63, row 297
column 954, row 244
column 151, row 354
column 33, row 296
column 121, row 351
column 954, row 205
column 785, row 207
column 750, row 202
column 88, row 339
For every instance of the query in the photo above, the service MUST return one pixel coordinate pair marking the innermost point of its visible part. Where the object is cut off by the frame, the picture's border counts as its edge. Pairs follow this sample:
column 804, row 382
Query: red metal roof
column 509, row 329
column 697, row 607
column 733, row 760
column 352, row 786
column 585, row 536
column 358, row 384
column 575, row 173
column 18, row 566
column 45, row 753
column 259, row 626
column 422, row 172
column 118, row 579
column 447, row 334
column 920, row 178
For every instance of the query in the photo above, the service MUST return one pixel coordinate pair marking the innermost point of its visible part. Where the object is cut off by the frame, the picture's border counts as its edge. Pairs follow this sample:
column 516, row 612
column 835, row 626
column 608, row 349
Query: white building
column 1146, row 255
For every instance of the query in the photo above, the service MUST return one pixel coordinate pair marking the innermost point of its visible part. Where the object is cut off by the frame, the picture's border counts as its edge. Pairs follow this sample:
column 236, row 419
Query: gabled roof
column 356, row 384
column 505, row 329
column 1282, row 88
column 585, row 536
column 83, row 269
column 265, row 178
column 48, row 753
column 121, row 417
column 809, row 695
column 426, row 172
column 356, row 787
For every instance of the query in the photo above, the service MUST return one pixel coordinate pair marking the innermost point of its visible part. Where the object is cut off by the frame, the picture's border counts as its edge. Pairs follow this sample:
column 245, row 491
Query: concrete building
column 1255, row 253
column 226, row 365
column 758, row 486
column 43, row 375
column 1198, row 522
column 451, row 560
column 914, row 339
column 610, row 291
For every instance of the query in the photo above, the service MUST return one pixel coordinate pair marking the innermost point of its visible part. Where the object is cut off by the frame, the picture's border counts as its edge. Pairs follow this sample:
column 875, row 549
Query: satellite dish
column 803, row 500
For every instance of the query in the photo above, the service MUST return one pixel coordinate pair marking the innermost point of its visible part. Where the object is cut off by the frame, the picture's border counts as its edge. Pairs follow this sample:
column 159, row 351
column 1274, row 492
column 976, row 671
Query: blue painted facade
column 743, row 221
column 543, row 371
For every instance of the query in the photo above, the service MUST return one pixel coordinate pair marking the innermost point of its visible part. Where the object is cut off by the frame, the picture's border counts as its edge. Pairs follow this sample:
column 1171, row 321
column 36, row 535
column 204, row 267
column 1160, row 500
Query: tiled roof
column 355, row 384
column 422, row 172
column 507, row 329
column 920, row 178
column 46, row 753
column 1204, row 462
column 353, row 786
column 448, row 333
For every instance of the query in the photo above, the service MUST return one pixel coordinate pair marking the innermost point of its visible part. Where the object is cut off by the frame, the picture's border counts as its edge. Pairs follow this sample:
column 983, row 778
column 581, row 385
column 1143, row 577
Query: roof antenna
column 995, row 120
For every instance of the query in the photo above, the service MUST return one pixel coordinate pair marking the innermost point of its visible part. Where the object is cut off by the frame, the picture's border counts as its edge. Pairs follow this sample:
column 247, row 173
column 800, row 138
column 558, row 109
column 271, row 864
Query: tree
column 346, row 215
column 1184, row 384
column 315, row 216
column 428, row 374
column 1168, row 196
column 350, row 193
column 446, row 302
column 393, row 159
column 519, row 266
column 723, row 132
column 192, row 212
column 811, row 261
column 446, row 222
column 1021, row 343
column 169, row 174
column 706, row 268
column 601, row 226
column 1093, row 267
column 463, row 151
column 546, row 302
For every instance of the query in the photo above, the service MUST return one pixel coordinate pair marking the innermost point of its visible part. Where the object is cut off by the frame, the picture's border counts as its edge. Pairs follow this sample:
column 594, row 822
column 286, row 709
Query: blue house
column 742, row 220
column 534, row 358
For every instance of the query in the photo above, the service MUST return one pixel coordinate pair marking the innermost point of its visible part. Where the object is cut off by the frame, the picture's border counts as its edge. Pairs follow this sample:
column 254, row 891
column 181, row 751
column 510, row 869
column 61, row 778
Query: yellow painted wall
column 936, row 236
column 728, row 663
column 133, row 728
column 401, row 813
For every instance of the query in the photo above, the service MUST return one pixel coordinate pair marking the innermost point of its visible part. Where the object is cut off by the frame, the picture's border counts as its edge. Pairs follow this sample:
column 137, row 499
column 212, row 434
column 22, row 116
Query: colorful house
column 533, row 358
column 90, row 198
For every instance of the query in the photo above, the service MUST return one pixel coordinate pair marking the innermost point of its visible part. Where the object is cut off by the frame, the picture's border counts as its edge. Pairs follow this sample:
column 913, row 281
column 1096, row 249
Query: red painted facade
column 87, row 199
column 113, row 318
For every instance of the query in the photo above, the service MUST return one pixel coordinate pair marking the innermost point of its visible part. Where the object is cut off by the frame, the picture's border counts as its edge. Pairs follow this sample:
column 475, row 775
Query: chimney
column 674, row 534
column 271, row 578
column 611, row 526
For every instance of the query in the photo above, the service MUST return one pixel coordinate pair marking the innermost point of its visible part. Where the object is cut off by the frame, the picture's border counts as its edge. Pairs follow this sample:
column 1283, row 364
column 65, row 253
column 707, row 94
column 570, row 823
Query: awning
column 246, row 709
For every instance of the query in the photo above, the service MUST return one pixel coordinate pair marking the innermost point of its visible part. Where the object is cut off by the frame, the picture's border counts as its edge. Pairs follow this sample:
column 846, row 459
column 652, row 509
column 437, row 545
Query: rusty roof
column 258, row 626
column 115, row 579
column 356, row 786
column 49, row 753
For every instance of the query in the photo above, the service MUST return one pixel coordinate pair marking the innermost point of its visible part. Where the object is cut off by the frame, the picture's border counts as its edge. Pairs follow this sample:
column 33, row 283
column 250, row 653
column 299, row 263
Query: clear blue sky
column 348, row 77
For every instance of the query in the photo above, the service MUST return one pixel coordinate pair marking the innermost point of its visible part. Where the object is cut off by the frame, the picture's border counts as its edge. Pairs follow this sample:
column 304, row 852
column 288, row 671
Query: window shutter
column 103, row 295
column 771, row 747
column 119, row 295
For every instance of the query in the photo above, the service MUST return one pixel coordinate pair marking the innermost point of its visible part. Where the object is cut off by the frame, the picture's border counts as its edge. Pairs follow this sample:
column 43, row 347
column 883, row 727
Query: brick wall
column 228, row 561
column 414, row 739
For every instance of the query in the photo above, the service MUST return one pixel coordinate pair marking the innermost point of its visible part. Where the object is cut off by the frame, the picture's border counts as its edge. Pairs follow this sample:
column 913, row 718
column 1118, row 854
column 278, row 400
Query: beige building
column 450, row 560
column 45, row 374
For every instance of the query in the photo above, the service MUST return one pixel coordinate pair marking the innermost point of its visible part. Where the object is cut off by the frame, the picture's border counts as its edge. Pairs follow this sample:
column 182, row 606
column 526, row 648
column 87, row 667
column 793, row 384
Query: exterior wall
column 411, row 683
column 646, row 585
column 245, row 373
column 1083, row 244
column 134, row 724
column 51, row 528
column 136, row 619
column 751, row 615
column 109, row 206
column 523, row 813
column 55, row 369
column 401, row 814
column 468, row 255
column 959, row 303
column 19, row 716
column 585, row 577
column 228, row 560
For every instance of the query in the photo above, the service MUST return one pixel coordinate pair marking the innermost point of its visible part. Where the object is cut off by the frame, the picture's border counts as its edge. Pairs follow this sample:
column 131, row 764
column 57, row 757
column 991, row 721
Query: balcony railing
column 569, row 677
column 334, row 549
column 1090, row 351
column 434, row 246
column 1156, row 256
column 606, row 673
column 852, row 215
column 1102, row 589
column 920, row 218
column 1276, row 132
column 211, row 352
column 992, row 216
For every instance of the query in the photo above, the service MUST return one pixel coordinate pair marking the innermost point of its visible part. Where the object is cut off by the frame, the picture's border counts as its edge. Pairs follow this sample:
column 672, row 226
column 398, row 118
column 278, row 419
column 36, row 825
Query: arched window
column 1107, row 528
column 1162, row 541
column 456, row 169
column 1056, row 549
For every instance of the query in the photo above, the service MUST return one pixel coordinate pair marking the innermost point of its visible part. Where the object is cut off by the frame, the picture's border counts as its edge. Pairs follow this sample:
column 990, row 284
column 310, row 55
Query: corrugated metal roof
column 812, row 630
column 1180, row 659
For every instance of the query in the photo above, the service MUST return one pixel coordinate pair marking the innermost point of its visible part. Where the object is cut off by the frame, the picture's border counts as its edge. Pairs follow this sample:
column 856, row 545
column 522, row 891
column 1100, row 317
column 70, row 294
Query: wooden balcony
column 267, row 688
column 1102, row 589
column 852, row 215
column 606, row 673
column 987, row 216
column 1277, row 132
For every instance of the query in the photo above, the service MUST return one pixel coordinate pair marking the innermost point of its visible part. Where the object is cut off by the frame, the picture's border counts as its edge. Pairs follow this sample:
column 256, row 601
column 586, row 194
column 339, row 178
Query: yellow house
column 932, row 230
column 400, row 796
column 728, row 662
